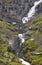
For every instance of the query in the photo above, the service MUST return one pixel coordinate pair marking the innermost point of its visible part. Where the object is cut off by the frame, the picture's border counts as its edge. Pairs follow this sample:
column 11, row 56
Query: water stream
column 24, row 62
column 25, row 20
column 31, row 12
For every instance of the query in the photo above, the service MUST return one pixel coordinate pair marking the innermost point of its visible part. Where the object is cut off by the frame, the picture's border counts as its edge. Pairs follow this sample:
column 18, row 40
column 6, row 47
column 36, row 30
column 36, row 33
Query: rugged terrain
column 15, row 10
column 31, row 51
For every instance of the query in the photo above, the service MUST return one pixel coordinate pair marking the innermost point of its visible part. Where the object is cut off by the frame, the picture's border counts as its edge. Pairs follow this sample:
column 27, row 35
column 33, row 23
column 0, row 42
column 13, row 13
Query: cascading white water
column 24, row 62
column 21, row 36
column 25, row 20
column 31, row 12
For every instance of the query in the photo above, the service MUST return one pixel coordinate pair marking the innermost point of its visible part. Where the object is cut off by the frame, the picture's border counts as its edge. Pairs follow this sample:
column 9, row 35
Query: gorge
column 20, row 32
column 25, row 20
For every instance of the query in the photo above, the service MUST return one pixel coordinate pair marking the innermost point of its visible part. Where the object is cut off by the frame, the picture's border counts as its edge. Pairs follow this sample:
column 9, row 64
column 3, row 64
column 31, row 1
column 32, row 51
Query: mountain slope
column 13, row 11
column 32, row 48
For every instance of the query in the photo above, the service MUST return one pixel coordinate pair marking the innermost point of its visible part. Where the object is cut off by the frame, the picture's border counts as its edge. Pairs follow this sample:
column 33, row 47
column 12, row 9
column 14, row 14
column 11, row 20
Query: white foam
column 24, row 62
column 10, row 42
column 13, row 23
column 31, row 12
column 21, row 37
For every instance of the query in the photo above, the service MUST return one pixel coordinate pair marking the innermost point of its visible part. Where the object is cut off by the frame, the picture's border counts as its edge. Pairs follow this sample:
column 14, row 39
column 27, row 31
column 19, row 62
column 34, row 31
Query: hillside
column 32, row 44
column 32, row 48
column 12, row 11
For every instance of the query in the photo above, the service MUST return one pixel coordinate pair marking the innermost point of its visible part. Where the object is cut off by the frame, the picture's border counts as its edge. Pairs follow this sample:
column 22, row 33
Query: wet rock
column 28, row 34
column 40, row 28
column 14, row 45
column 17, row 9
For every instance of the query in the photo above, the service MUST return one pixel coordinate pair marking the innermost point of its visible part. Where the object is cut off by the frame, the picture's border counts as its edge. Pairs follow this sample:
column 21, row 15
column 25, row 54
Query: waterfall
column 24, row 62
column 21, row 36
column 25, row 20
column 31, row 12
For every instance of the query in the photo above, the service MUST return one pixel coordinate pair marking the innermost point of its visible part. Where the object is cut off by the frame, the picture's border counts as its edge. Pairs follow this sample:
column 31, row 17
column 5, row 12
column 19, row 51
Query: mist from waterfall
column 31, row 12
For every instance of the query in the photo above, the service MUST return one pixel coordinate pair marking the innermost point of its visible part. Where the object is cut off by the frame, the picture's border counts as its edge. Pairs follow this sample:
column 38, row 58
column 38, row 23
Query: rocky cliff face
column 15, row 10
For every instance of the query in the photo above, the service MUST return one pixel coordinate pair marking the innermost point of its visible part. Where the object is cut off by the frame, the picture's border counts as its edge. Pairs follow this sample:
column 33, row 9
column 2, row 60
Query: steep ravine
column 25, row 20
column 21, row 41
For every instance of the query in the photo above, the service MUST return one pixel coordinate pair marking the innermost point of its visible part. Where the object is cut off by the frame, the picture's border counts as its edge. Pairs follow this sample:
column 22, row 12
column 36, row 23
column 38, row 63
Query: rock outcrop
column 17, row 9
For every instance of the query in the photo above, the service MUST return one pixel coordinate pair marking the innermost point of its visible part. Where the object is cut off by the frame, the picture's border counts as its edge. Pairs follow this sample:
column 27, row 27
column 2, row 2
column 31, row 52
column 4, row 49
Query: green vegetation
column 8, row 1
column 7, row 31
column 6, row 28
column 6, row 57
column 34, row 43
column 35, row 23
column 31, row 45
